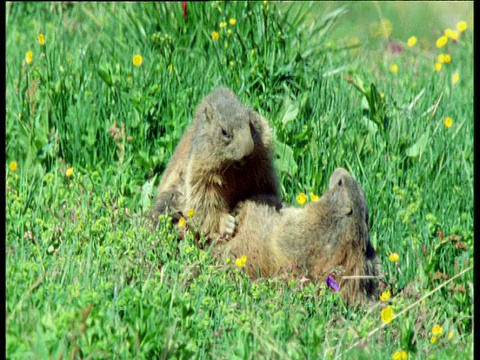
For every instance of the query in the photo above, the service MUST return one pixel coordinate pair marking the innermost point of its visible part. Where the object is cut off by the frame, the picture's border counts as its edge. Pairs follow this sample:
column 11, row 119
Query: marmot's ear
column 204, row 112
column 256, row 120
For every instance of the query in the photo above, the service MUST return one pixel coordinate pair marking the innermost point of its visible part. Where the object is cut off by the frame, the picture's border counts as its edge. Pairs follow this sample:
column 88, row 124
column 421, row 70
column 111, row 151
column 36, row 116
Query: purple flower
column 331, row 283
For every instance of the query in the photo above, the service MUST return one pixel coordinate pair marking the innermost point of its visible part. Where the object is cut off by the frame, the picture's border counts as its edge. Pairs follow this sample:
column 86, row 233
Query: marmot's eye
column 340, row 182
column 226, row 134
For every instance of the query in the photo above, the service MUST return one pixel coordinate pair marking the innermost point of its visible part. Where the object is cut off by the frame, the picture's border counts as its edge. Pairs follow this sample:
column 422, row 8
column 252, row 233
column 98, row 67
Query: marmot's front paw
column 228, row 225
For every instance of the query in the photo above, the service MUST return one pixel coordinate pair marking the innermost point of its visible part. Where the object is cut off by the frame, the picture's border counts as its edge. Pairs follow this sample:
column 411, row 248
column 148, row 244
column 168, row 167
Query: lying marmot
column 326, row 237
column 225, row 157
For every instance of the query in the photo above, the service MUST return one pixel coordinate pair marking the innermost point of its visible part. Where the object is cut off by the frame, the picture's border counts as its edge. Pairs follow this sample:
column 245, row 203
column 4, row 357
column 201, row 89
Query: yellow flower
column 444, row 58
column 181, row 222
column 301, row 198
column 223, row 24
column 240, row 262
column 13, row 166
column 400, row 355
column 215, row 35
column 452, row 34
column 227, row 260
column 412, row 40
column 393, row 257
column 29, row 57
column 314, row 197
column 190, row 213
column 252, row 52
column 438, row 67
column 462, row 26
column 448, row 122
column 69, row 172
column 433, row 339
column 385, row 295
column 455, row 78
column 387, row 314
column 232, row 21
column 171, row 68
column 229, row 31
column 437, row 330
column 441, row 41
column 394, row 68
column 41, row 39
column 137, row 60
column 450, row 335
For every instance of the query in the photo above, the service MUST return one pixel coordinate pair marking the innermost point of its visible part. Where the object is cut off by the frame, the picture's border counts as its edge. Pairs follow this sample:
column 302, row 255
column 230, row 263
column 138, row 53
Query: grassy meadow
column 97, row 97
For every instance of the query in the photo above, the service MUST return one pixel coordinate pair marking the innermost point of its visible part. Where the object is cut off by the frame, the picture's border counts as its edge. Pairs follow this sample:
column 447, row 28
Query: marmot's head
column 226, row 129
column 343, row 217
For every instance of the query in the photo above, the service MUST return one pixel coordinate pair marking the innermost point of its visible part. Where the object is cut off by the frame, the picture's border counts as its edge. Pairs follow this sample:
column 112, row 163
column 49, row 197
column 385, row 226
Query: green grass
column 85, row 278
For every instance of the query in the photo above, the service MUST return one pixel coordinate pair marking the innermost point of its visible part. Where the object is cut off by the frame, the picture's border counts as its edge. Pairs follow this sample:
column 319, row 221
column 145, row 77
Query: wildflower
column 229, row 31
column 393, row 257
column 455, row 78
column 240, row 262
column 314, row 197
column 252, row 52
column 448, row 122
column 184, row 10
column 227, row 260
column 450, row 335
column 400, row 355
column 171, row 68
column 41, row 39
column 385, row 295
column 181, row 222
column 223, row 24
column 29, row 57
column 441, row 41
column 69, row 172
column 433, row 339
column 215, row 35
column 387, row 314
column 412, row 40
column 190, row 213
column 232, row 21
column 444, row 58
column 13, row 166
column 301, row 198
column 394, row 68
column 437, row 330
column 438, row 67
column 462, row 26
column 452, row 34
column 331, row 283
column 137, row 60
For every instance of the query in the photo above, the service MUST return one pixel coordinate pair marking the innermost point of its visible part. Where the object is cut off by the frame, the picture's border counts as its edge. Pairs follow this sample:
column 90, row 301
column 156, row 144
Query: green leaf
column 105, row 77
column 290, row 114
column 284, row 160
column 147, row 192
column 419, row 147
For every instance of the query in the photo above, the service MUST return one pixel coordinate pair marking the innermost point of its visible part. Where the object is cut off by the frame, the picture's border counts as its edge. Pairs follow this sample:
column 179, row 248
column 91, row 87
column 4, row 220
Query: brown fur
column 225, row 157
column 326, row 237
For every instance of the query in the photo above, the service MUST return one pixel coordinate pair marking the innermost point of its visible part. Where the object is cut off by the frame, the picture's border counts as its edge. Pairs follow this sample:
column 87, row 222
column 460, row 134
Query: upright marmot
column 225, row 156
column 326, row 237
